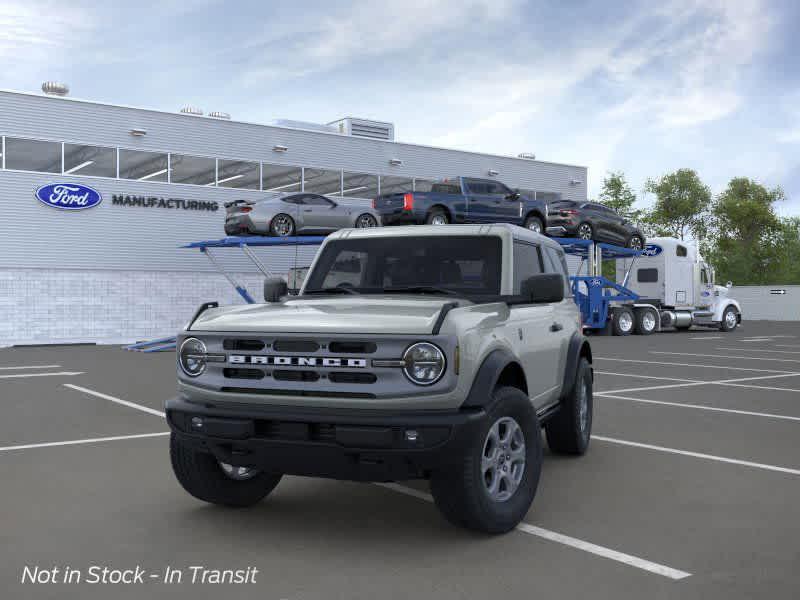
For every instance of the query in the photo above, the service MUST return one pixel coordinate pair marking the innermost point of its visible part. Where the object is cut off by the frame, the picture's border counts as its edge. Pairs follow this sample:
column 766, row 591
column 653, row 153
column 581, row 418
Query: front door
column 322, row 214
column 489, row 202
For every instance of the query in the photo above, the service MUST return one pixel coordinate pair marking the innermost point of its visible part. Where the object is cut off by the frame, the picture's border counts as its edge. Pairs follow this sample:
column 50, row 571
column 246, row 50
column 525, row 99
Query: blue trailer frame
column 595, row 302
column 244, row 243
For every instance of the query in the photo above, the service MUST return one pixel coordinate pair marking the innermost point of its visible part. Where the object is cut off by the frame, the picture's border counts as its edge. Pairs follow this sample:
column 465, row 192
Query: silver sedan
column 282, row 215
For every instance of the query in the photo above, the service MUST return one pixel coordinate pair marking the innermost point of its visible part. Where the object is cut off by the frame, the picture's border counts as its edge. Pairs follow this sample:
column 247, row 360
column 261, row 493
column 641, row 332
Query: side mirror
column 274, row 289
column 513, row 195
column 546, row 287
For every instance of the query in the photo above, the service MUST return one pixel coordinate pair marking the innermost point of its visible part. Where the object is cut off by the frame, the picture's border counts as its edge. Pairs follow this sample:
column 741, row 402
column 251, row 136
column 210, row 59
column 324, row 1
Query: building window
column 323, row 181
column 33, row 155
column 280, row 178
column 360, row 185
column 144, row 166
column 90, row 160
column 195, row 170
column 238, row 174
column 396, row 185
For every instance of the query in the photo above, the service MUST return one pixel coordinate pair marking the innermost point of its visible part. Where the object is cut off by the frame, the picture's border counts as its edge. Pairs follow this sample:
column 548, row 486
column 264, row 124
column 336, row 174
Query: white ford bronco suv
column 421, row 352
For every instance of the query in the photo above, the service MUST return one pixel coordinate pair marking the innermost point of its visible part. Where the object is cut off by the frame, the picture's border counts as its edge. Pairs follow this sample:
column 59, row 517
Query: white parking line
column 150, row 411
column 628, row 559
column 786, row 345
column 637, row 376
column 707, row 337
column 731, row 382
column 21, row 375
column 733, row 461
column 85, row 441
column 30, row 367
column 704, row 407
column 793, row 360
column 762, row 350
column 676, row 364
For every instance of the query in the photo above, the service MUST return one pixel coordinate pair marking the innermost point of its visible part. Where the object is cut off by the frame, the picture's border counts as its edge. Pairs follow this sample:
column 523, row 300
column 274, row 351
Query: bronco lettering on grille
column 298, row 361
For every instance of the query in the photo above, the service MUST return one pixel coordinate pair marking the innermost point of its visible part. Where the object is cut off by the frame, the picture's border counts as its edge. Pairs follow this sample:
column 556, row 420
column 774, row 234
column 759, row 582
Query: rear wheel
column 646, row 321
column 492, row 487
column 622, row 321
column 535, row 224
column 282, row 225
column 207, row 479
column 366, row 220
column 729, row 319
column 437, row 216
column 568, row 432
column 585, row 231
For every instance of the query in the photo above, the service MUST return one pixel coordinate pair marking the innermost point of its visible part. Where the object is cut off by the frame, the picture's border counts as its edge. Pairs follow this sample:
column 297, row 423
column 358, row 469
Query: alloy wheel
column 438, row 220
column 585, row 231
column 281, row 226
column 365, row 221
column 503, row 459
column 635, row 243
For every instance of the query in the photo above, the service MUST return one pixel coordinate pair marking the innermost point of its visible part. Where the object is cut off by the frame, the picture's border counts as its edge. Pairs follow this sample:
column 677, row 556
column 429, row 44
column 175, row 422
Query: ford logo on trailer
column 652, row 250
column 68, row 196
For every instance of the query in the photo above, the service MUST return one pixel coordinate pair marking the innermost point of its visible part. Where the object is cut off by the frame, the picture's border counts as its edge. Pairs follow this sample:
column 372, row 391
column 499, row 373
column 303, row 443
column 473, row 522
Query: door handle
column 556, row 327
column 308, row 210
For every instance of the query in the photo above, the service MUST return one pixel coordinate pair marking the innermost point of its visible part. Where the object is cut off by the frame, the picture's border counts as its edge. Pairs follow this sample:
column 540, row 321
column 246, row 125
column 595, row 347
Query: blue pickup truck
column 463, row 200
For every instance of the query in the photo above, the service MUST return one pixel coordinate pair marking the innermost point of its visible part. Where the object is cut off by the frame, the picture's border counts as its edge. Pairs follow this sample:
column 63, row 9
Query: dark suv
column 592, row 221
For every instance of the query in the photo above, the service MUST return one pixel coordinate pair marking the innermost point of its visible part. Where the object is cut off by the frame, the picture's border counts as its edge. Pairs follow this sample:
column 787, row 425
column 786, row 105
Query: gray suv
column 418, row 352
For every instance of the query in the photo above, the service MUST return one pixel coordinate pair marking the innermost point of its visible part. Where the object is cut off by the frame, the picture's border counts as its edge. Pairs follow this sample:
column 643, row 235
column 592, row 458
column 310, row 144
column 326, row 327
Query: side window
column 294, row 200
column 527, row 262
column 703, row 276
column 647, row 275
column 558, row 264
column 680, row 251
column 317, row 201
column 495, row 187
column 476, row 187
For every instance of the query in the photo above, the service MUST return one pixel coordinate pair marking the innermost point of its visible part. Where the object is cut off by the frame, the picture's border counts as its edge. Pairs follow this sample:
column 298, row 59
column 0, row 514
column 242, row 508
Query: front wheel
column 366, row 220
column 534, row 224
column 207, row 479
column 569, row 431
column 729, row 319
column 491, row 488
column 635, row 242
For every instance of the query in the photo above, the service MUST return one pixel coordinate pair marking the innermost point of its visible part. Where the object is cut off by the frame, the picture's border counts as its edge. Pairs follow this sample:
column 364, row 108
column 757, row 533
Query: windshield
column 463, row 265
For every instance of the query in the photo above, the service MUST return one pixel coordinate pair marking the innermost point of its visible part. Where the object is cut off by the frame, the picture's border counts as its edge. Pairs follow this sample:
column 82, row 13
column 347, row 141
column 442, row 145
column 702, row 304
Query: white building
column 114, row 272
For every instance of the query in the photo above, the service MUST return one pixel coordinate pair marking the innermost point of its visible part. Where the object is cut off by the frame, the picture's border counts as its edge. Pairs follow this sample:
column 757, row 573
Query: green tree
column 681, row 207
column 618, row 195
column 750, row 244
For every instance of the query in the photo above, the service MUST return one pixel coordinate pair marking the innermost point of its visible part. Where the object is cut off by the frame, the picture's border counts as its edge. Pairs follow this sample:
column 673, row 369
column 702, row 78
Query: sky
column 639, row 87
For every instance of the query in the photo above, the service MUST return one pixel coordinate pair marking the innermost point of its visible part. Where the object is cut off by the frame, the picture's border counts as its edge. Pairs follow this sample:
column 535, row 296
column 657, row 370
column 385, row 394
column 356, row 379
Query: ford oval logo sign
column 68, row 196
column 652, row 250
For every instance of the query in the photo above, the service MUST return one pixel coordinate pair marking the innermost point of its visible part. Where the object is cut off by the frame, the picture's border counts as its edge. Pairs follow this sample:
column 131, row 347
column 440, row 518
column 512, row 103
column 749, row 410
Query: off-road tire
column 292, row 226
column 533, row 220
column 619, row 321
column 460, row 492
column 640, row 326
column 435, row 214
column 202, row 476
column 569, row 430
column 723, row 326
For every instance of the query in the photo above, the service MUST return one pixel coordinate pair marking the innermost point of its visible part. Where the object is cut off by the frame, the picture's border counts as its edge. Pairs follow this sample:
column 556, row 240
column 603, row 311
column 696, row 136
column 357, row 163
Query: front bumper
column 356, row 445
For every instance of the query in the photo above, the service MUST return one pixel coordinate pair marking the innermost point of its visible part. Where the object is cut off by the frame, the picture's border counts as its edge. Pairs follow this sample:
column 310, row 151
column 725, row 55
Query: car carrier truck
column 675, row 288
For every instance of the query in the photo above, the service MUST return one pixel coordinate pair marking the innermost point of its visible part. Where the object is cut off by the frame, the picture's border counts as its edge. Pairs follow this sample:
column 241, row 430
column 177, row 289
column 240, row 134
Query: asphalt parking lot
column 691, row 489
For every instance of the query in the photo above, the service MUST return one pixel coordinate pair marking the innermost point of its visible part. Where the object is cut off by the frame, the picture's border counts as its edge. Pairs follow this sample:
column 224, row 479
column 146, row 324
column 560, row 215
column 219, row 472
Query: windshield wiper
column 422, row 289
column 333, row 290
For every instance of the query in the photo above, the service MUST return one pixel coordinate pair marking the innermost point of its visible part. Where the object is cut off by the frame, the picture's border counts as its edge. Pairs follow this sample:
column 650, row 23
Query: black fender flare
column 578, row 346
column 480, row 394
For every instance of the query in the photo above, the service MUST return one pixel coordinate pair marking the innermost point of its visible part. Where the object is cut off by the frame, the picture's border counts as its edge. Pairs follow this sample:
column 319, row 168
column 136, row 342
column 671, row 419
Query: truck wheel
column 437, row 217
column 492, row 487
column 585, row 231
column 568, row 432
column 622, row 321
column 205, row 478
column 646, row 321
column 534, row 224
column 729, row 320
column 635, row 242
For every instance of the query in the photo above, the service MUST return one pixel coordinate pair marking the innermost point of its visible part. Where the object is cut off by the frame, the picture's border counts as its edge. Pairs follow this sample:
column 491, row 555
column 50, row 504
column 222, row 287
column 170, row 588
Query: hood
column 399, row 314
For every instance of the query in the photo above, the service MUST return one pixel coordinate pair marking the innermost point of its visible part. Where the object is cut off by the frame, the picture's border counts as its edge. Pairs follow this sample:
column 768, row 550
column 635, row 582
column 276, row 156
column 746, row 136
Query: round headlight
column 425, row 363
column 192, row 357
